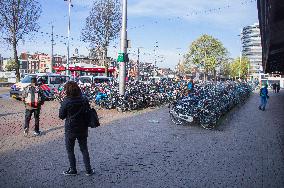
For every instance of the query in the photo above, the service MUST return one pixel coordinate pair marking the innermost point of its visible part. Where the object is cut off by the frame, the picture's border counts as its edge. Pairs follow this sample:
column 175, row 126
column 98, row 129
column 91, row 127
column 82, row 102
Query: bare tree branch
column 18, row 18
column 103, row 24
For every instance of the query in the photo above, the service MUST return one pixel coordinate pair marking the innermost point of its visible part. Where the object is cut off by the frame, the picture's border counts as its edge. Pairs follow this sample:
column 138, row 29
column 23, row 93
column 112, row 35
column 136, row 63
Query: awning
column 85, row 69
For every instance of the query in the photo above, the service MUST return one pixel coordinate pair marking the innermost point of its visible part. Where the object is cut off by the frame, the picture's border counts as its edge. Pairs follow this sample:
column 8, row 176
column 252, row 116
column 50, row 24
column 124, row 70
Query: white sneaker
column 37, row 133
column 90, row 172
column 26, row 131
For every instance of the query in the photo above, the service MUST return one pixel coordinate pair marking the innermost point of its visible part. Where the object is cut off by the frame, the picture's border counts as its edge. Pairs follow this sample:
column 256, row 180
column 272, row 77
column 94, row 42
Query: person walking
column 73, row 109
column 277, row 87
column 263, row 98
column 33, row 98
column 274, row 87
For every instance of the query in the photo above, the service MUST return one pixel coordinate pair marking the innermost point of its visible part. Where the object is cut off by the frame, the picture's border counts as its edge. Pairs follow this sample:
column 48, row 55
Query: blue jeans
column 263, row 101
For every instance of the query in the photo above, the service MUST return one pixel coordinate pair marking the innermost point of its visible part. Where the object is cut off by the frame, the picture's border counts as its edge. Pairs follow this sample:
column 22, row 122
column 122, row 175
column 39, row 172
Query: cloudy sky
column 172, row 25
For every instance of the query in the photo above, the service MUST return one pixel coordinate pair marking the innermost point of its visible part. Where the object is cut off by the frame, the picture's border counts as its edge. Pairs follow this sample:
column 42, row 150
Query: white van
column 50, row 80
column 86, row 80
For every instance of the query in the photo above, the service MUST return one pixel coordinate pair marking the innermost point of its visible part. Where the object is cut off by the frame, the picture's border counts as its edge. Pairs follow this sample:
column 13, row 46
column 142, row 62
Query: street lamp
column 240, row 35
column 155, row 54
column 138, row 63
column 68, row 35
column 123, row 48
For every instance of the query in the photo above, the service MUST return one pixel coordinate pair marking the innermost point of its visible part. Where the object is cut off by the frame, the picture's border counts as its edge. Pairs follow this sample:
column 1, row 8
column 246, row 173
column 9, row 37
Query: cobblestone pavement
column 147, row 150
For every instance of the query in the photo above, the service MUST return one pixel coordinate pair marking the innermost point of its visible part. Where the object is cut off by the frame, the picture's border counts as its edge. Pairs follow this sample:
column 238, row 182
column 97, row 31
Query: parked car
column 86, row 80
column 102, row 79
column 49, row 83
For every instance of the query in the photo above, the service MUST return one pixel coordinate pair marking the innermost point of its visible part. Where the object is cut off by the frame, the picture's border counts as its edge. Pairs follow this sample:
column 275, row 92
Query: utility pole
column 240, row 65
column 138, row 54
column 123, row 48
column 52, row 44
column 68, row 36
column 155, row 54
column 138, row 64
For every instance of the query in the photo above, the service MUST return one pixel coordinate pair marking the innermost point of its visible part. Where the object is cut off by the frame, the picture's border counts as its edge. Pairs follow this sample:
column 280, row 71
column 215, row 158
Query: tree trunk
column 16, row 59
column 215, row 77
column 105, row 61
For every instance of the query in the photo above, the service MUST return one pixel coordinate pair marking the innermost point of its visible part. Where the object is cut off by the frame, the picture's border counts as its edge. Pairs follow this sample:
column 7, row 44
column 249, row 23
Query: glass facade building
column 252, row 49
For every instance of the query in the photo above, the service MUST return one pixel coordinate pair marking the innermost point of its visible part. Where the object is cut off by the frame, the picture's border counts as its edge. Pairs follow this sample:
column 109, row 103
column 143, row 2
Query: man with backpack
column 33, row 98
column 263, row 97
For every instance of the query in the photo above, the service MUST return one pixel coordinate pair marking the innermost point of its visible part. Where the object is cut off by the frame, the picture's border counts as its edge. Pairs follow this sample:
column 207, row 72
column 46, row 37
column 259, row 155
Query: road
column 4, row 92
column 147, row 150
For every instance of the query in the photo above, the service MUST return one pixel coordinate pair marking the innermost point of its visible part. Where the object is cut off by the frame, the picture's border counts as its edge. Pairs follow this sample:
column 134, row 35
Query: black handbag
column 92, row 118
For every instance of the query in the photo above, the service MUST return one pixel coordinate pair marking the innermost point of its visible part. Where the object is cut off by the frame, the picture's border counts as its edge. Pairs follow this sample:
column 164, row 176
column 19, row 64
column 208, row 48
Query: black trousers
column 28, row 115
column 70, row 144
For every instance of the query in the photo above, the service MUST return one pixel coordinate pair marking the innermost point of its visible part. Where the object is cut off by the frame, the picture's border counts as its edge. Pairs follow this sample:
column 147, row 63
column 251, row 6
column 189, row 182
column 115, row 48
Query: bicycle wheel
column 174, row 116
column 207, row 120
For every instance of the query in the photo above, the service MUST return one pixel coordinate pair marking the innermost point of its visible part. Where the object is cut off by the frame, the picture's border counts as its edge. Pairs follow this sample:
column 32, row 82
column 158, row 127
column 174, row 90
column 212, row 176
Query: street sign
column 120, row 57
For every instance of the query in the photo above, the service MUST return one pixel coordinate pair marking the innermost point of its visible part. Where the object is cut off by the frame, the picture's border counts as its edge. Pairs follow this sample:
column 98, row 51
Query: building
column 5, row 62
column 251, row 48
column 44, row 62
column 164, row 72
column 58, row 60
column 1, row 63
column 28, row 64
column 271, row 21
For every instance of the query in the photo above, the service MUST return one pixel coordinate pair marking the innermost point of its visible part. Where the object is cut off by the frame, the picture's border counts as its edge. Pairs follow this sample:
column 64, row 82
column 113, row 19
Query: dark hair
column 72, row 89
column 33, row 80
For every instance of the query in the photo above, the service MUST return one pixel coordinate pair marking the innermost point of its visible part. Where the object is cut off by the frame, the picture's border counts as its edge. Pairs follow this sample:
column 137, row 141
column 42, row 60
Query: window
column 86, row 80
column 44, row 79
column 27, row 79
column 58, row 79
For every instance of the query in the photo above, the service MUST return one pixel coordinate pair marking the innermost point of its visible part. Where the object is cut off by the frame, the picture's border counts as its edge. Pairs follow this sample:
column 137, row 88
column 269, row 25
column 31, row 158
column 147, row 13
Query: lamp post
column 155, row 54
column 138, row 63
column 68, row 36
column 240, row 65
column 52, row 44
column 123, row 48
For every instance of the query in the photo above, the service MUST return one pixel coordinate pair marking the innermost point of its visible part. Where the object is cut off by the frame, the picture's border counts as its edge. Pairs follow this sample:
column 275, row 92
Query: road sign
column 120, row 57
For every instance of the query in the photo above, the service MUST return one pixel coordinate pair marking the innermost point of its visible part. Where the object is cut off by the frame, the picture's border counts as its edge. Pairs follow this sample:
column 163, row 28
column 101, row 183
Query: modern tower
column 252, row 49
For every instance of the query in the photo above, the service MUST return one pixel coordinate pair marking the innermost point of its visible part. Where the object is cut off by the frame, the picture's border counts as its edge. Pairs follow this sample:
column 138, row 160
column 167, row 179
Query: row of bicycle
column 138, row 95
column 209, row 102
column 210, row 97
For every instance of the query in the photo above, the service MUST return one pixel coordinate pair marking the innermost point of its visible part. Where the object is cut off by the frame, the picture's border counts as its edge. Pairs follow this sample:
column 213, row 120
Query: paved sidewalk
column 247, row 150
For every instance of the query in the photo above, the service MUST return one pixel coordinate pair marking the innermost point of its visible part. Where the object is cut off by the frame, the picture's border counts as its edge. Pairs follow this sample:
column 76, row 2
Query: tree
column 103, row 24
column 225, row 68
column 240, row 68
column 208, row 53
column 182, row 69
column 11, row 65
column 18, row 18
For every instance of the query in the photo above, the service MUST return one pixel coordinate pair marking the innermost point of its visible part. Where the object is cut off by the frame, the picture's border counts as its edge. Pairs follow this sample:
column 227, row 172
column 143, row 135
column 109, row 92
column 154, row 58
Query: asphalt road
column 4, row 92
column 147, row 150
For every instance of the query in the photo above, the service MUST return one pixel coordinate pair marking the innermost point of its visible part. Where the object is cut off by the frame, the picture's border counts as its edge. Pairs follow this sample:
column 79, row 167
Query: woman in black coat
column 73, row 110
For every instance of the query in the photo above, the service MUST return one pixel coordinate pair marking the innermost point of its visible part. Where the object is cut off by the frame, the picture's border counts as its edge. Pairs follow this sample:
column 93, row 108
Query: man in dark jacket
column 73, row 110
column 33, row 98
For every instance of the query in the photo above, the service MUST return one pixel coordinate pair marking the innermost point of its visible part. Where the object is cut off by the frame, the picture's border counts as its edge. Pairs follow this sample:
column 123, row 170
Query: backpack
column 33, row 98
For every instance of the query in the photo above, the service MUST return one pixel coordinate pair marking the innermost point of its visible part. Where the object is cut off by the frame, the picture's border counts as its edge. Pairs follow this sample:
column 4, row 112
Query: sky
column 172, row 25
